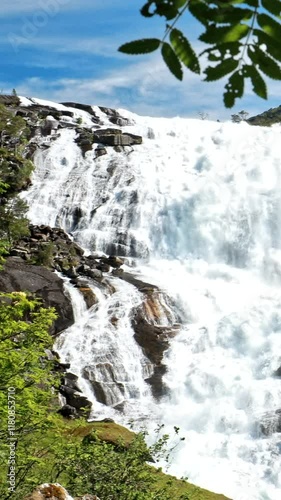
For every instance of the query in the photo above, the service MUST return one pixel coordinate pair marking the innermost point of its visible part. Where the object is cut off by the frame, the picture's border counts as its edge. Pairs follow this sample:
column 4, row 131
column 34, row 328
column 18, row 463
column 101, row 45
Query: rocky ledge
column 152, row 321
column 20, row 276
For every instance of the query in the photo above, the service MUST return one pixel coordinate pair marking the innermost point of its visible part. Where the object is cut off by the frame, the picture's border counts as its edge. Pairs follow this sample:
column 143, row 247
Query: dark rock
column 85, row 140
column 135, row 139
column 93, row 273
column 113, row 261
column 61, row 367
column 115, row 117
column 84, row 107
column 115, row 137
column 109, row 391
column 68, row 411
column 271, row 423
column 89, row 296
column 277, row 373
column 104, row 268
column 19, row 276
column 100, row 151
column 75, row 399
column 158, row 388
column 70, row 273
column 150, row 334
column 9, row 100
column 142, row 286
column 126, row 245
column 70, row 380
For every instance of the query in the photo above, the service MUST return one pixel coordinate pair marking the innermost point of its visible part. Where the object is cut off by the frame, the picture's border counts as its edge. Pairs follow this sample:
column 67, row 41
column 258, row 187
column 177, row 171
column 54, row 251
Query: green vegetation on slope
column 15, row 171
column 266, row 119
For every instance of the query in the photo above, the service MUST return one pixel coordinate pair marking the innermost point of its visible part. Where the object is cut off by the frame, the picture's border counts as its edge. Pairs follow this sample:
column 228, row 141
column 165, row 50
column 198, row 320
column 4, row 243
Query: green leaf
column 234, row 89
column 222, row 69
column 200, row 11
column 272, row 46
column 172, row 61
column 145, row 9
column 220, row 35
column 179, row 3
column 252, row 3
column 231, row 15
column 270, row 26
column 273, row 6
column 220, row 52
column 184, row 51
column 144, row 46
column 266, row 64
column 259, row 86
column 166, row 8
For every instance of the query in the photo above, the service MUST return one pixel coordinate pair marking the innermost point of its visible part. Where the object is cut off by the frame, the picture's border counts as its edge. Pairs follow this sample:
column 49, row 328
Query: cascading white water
column 197, row 206
column 100, row 346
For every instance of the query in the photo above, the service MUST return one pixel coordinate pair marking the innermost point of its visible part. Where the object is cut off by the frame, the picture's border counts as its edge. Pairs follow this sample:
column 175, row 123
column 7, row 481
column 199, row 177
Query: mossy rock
column 106, row 431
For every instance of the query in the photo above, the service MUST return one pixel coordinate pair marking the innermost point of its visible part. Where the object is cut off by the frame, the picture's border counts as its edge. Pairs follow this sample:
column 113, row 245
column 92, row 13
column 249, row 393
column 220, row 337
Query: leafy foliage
column 15, row 171
column 47, row 449
column 243, row 38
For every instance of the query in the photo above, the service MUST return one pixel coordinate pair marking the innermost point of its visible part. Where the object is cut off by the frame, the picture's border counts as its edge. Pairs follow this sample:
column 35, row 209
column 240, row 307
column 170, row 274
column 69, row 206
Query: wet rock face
column 105, row 137
column 115, row 137
column 154, row 328
column 271, row 423
column 277, row 373
column 83, row 107
column 109, row 390
column 115, row 117
column 17, row 275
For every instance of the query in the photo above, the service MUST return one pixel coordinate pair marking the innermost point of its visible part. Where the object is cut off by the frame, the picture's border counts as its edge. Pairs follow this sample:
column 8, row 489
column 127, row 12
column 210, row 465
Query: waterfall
column 101, row 349
column 196, row 210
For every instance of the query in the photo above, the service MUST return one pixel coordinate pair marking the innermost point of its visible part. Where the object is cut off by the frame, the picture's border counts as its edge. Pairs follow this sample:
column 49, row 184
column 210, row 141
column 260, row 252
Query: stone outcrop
column 154, row 328
column 115, row 137
column 76, row 404
column 105, row 137
column 18, row 275
column 83, row 107
column 277, row 373
column 271, row 423
column 115, row 117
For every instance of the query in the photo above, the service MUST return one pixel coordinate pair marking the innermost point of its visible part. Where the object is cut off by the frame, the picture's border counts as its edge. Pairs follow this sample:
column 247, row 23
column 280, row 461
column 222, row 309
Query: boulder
column 277, row 373
column 68, row 411
column 270, row 422
column 112, row 261
column 49, row 491
column 115, row 137
column 154, row 328
column 77, row 400
column 83, row 107
column 115, row 117
column 18, row 276
column 89, row 296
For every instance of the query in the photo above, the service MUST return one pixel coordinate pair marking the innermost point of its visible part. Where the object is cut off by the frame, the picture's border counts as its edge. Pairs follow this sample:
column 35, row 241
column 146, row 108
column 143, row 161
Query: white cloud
column 17, row 7
column 145, row 86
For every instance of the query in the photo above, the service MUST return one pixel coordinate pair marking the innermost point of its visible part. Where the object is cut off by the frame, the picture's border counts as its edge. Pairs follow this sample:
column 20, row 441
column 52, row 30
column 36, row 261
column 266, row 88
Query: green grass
column 114, row 434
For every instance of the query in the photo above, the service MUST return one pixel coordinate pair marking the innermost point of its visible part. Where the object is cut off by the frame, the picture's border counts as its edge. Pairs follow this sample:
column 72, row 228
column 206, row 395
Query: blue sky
column 66, row 50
